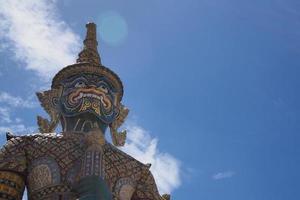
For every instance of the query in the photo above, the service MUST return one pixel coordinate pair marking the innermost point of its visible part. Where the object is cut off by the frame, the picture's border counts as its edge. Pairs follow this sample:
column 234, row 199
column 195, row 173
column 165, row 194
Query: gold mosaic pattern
column 52, row 191
column 40, row 176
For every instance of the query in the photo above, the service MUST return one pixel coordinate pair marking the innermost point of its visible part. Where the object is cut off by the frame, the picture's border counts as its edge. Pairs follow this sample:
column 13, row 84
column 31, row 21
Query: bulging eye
column 80, row 84
column 103, row 87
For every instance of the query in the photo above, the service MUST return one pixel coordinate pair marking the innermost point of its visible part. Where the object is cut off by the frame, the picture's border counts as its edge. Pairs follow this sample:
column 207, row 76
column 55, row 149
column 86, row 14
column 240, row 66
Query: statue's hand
column 92, row 188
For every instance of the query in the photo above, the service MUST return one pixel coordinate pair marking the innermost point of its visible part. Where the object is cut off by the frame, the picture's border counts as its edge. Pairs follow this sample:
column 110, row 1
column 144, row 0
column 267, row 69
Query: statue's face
column 87, row 93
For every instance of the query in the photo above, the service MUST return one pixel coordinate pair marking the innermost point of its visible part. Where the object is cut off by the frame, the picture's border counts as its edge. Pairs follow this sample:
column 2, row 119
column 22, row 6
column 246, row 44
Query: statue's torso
column 55, row 162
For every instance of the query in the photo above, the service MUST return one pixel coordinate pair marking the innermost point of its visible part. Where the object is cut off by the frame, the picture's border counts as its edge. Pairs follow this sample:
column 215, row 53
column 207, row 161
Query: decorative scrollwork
column 119, row 138
column 48, row 100
column 166, row 196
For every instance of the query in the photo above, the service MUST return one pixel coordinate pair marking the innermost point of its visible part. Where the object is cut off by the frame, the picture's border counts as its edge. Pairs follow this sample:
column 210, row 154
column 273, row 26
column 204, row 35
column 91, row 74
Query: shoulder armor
column 109, row 148
column 12, row 154
column 9, row 135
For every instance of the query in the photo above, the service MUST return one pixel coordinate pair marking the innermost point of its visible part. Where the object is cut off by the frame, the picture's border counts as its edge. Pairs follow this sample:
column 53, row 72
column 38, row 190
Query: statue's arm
column 11, row 185
column 147, row 189
column 12, row 168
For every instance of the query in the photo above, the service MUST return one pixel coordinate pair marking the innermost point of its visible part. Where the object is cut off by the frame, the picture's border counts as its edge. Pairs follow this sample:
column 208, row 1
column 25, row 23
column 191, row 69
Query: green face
column 89, row 94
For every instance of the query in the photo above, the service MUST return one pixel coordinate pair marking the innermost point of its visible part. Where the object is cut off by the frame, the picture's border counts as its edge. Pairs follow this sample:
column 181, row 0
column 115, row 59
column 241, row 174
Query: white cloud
column 18, row 128
column 34, row 32
column 165, row 168
column 9, row 106
column 223, row 175
column 16, row 102
column 5, row 115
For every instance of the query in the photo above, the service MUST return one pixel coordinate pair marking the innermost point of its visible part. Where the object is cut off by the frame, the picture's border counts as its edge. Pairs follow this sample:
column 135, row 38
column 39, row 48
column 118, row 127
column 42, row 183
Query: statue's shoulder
column 10, row 136
column 13, row 145
column 129, row 173
column 20, row 141
column 115, row 155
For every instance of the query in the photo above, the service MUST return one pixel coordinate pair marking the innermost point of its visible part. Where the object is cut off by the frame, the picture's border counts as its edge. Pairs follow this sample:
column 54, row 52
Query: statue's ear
column 55, row 101
column 119, row 138
column 49, row 101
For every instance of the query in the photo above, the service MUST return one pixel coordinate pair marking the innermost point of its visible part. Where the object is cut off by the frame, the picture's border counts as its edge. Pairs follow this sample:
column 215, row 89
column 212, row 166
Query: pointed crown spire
column 90, row 53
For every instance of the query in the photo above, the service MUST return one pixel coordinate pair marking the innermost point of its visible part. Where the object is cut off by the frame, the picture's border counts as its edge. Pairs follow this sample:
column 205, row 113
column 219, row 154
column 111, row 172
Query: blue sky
column 215, row 83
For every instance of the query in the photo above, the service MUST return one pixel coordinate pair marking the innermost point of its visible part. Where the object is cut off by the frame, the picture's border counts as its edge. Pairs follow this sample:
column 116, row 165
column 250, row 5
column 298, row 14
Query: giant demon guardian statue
column 85, row 98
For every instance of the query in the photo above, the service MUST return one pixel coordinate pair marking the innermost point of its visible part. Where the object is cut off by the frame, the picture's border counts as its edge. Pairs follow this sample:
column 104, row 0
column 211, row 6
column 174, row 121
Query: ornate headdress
column 89, row 62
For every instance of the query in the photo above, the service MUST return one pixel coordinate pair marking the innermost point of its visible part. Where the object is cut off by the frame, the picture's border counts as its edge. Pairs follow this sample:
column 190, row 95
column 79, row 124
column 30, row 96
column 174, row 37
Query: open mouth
column 81, row 95
column 89, row 93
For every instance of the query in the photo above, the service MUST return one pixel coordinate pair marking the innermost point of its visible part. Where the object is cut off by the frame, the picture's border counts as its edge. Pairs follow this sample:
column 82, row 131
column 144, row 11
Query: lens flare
column 113, row 28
